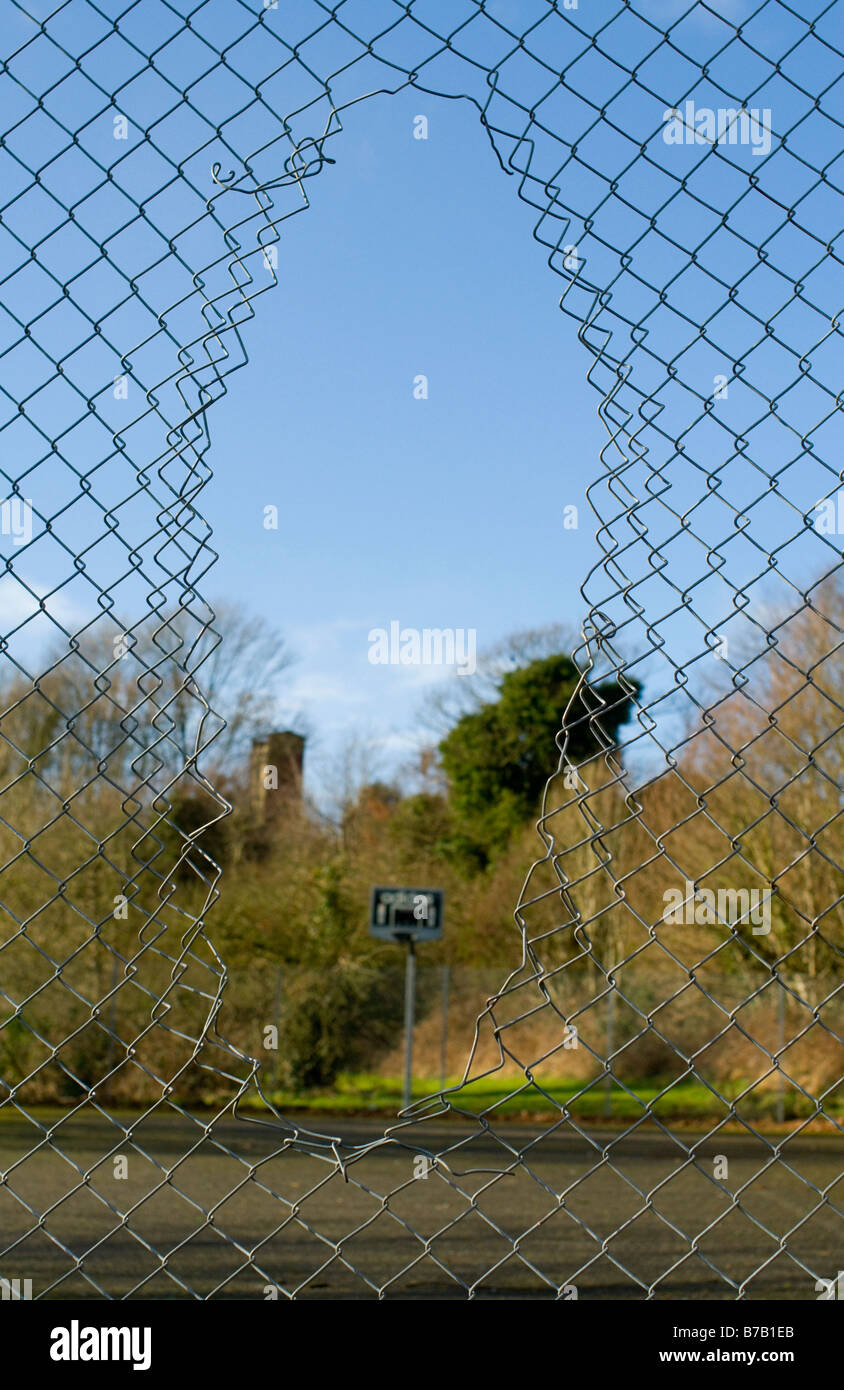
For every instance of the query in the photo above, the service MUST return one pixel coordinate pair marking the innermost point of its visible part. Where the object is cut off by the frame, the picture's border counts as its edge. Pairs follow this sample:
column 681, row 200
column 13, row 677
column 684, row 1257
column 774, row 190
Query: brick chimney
column 275, row 774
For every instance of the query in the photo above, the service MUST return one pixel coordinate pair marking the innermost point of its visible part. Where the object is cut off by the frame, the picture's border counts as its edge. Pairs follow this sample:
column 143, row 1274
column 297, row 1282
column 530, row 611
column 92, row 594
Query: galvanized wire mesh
column 684, row 168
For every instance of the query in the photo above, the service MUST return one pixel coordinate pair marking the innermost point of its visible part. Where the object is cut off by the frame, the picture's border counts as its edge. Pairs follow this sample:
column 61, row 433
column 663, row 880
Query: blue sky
column 415, row 257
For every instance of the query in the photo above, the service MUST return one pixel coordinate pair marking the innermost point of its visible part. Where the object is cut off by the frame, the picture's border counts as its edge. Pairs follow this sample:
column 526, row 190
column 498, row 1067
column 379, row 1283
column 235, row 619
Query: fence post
column 610, row 1045
column 444, row 1034
column 780, row 1046
column 277, row 1023
column 112, row 1031
column 409, row 1018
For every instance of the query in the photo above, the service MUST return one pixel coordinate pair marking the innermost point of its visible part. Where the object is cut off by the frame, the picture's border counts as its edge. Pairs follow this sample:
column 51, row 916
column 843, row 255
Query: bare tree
column 244, row 664
column 146, row 701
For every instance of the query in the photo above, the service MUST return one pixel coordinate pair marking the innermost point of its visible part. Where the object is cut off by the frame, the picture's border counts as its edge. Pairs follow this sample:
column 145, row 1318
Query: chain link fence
column 677, row 945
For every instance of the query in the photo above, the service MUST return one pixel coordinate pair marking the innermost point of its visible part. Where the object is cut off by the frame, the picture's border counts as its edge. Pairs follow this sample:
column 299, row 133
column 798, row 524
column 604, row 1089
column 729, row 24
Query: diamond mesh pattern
column 151, row 156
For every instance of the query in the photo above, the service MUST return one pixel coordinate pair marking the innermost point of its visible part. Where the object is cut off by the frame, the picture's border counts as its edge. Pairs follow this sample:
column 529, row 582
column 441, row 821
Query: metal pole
column 610, row 1045
column 780, row 1046
column 112, row 1033
column 277, row 1022
column 409, row 1014
column 444, row 1040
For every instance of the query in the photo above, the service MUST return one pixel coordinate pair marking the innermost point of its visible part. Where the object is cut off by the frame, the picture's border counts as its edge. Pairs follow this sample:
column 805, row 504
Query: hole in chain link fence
column 645, row 1098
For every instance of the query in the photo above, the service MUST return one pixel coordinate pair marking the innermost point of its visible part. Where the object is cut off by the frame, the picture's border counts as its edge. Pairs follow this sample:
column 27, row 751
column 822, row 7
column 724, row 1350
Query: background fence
column 684, row 167
column 347, row 1055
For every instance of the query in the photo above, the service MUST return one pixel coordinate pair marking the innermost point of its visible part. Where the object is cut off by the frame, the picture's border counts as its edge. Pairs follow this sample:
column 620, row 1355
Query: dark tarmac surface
column 232, row 1225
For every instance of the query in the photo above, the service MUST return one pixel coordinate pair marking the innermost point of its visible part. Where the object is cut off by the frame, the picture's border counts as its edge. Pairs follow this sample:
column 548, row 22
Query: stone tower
column 275, row 774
